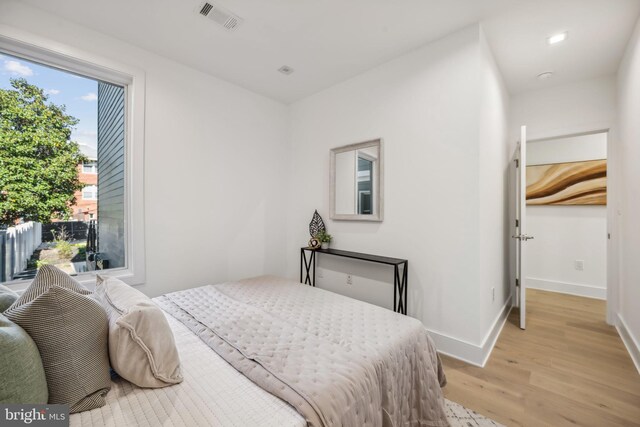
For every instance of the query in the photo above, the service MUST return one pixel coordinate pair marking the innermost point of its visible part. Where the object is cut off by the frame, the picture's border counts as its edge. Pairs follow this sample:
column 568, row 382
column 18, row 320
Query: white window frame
column 67, row 58
column 93, row 189
column 94, row 167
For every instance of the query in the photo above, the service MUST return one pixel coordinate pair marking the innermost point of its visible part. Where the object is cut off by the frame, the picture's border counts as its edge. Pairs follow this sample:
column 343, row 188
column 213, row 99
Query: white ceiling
column 328, row 41
column 598, row 34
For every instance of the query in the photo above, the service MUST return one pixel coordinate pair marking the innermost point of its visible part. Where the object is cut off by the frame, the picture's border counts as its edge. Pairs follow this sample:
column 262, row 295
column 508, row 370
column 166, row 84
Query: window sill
column 88, row 279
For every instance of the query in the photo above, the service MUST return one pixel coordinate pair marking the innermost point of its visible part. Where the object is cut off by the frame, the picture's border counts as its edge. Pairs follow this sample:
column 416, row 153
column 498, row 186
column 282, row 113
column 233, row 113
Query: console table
column 308, row 271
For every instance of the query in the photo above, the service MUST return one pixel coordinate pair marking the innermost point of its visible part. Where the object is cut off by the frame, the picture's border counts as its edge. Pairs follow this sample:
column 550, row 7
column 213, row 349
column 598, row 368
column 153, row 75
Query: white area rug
column 459, row 416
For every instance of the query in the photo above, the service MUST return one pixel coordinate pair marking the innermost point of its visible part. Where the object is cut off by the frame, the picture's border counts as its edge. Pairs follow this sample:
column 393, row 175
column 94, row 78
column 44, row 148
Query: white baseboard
column 567, row 288
column 473, row 354
column 629, row 341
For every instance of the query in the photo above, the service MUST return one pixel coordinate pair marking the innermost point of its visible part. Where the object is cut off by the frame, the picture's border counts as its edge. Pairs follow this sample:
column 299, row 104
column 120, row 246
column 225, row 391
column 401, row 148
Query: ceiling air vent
column 220, row 16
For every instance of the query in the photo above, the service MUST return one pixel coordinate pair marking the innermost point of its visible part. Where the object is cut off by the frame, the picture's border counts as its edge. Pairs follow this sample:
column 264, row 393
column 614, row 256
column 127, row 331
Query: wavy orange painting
column 575, row 183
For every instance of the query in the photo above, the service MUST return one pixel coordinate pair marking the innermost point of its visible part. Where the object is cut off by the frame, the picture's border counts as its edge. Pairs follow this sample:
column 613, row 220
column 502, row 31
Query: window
column 365, row 183
column 90, row 192
column 110, row 133
column 90, row 167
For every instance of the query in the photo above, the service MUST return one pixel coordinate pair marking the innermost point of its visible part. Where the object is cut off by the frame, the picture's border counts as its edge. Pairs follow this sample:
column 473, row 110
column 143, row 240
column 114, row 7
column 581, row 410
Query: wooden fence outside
column 17, row 244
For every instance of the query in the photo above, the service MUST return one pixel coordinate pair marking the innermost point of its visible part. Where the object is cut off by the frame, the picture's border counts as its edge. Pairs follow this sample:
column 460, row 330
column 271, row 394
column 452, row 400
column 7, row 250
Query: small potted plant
column 324, row 238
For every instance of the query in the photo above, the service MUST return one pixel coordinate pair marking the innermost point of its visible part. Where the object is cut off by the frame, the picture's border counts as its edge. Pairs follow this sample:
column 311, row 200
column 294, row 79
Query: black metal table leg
column 396, row 289
column 405, row 284
column 310, row 263
column 400, row 288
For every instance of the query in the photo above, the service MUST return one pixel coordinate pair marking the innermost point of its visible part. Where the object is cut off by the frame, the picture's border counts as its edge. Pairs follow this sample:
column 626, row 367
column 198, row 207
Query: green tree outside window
column 38, row 161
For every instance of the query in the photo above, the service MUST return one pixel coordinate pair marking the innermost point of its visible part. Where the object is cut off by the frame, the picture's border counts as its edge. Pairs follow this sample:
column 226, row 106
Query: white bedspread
column 338, row 361
column 212, row 394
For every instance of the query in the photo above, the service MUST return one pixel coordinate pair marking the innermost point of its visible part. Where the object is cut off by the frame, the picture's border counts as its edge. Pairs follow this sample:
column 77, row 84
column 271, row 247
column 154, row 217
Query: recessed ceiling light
column 285, row 69
column 557, row 38
column 545, row 75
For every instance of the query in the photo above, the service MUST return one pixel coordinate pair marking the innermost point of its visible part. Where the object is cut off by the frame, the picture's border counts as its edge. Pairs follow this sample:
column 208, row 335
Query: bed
column 268, row 351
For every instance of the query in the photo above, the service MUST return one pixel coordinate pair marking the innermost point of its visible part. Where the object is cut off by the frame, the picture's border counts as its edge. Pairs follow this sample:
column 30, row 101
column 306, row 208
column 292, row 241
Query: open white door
column 520, row 159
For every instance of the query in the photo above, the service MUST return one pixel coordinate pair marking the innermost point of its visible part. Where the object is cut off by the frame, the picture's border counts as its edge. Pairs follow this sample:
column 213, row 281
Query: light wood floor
column 568, row 368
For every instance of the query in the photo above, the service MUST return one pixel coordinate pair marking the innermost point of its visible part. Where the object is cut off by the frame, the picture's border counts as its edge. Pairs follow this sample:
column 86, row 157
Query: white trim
column 474, row 354
column 570, row 135
column 45, row 51
column 92, row 190
column 613, row 203
column 94, row 167
column 613, row 227
column 570, row 131
column 567, row 288
column 68, row 58
column 629, row 341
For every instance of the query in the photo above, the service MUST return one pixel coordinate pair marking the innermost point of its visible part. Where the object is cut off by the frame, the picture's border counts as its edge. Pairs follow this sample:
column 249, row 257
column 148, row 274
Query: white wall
column 566, row 234
column 221, row 162
column 578, row 107
column 568, row 149
column 493, row 216
column 628, row 136
column 426, row 105
column 215, row 156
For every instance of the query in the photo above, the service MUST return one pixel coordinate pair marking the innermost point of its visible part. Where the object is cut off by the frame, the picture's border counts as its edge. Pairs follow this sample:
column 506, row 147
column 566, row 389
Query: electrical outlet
column 320, row 273
column 579, row 265
column 493, row 294
column 349, row 279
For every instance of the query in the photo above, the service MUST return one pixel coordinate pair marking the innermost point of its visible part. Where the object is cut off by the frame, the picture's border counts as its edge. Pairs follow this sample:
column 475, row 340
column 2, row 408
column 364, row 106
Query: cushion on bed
column 7, row 297
column 21, row 370
column 142, row 348
column 47, row 276
column 71, row 330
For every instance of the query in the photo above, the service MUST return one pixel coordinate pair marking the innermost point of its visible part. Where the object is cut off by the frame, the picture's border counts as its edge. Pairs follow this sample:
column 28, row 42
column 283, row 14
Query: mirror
column 356, row 182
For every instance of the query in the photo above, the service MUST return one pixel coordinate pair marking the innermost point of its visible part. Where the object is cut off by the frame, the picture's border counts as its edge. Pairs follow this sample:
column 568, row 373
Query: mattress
column 338, row 361
column 212, row 394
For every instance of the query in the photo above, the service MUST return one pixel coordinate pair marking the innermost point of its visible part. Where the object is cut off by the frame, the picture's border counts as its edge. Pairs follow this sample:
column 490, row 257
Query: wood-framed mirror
column 356, row 189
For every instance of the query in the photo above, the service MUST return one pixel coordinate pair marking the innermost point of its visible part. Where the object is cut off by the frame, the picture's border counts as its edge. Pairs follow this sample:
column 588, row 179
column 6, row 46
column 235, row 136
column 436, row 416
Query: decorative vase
column 325, row 245
column 314, row 243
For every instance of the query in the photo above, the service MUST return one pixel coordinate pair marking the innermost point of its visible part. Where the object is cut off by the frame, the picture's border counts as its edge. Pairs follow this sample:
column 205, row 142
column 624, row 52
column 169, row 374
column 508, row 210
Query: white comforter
column 212, row 394
column 338, row 361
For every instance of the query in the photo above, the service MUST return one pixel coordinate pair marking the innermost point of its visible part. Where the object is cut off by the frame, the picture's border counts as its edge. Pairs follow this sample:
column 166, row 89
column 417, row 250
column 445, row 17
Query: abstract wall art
column 574, row 183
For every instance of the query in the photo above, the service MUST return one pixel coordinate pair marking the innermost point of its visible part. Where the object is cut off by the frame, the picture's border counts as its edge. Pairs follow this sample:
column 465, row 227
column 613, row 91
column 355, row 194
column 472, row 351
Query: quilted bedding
column 213, row 394
column 337, row 361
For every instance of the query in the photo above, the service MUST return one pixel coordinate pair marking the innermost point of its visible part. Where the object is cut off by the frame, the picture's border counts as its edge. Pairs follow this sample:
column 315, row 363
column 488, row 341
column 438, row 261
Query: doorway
column 565, row 209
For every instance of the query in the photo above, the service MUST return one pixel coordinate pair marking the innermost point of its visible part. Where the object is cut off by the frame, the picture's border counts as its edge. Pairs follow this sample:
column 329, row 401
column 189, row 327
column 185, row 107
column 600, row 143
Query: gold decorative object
column 314, row 243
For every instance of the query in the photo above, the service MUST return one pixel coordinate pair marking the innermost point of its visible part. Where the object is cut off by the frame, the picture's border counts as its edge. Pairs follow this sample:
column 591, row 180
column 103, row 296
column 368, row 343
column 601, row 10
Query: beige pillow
column 142, row 349
column 7, row 297
column 71, row 330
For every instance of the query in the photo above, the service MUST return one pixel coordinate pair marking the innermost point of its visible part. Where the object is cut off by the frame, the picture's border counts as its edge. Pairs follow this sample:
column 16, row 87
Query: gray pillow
column 21, row 370
column 7, row 297
column 70, row 329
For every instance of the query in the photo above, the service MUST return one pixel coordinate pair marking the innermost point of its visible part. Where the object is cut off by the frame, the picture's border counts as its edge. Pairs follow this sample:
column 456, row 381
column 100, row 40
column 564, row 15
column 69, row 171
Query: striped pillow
column 70, row 329
column 47, row 276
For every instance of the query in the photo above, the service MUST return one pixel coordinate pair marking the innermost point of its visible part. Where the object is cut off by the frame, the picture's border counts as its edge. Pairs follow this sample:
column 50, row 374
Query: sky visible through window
column 78, row 94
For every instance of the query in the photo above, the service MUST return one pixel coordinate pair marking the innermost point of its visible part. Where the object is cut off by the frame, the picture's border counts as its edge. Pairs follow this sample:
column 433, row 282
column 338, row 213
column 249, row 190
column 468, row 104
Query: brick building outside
column 86, row 205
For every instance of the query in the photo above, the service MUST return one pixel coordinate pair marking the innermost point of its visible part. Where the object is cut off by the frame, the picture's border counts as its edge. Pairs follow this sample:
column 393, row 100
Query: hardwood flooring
column 568, row 368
